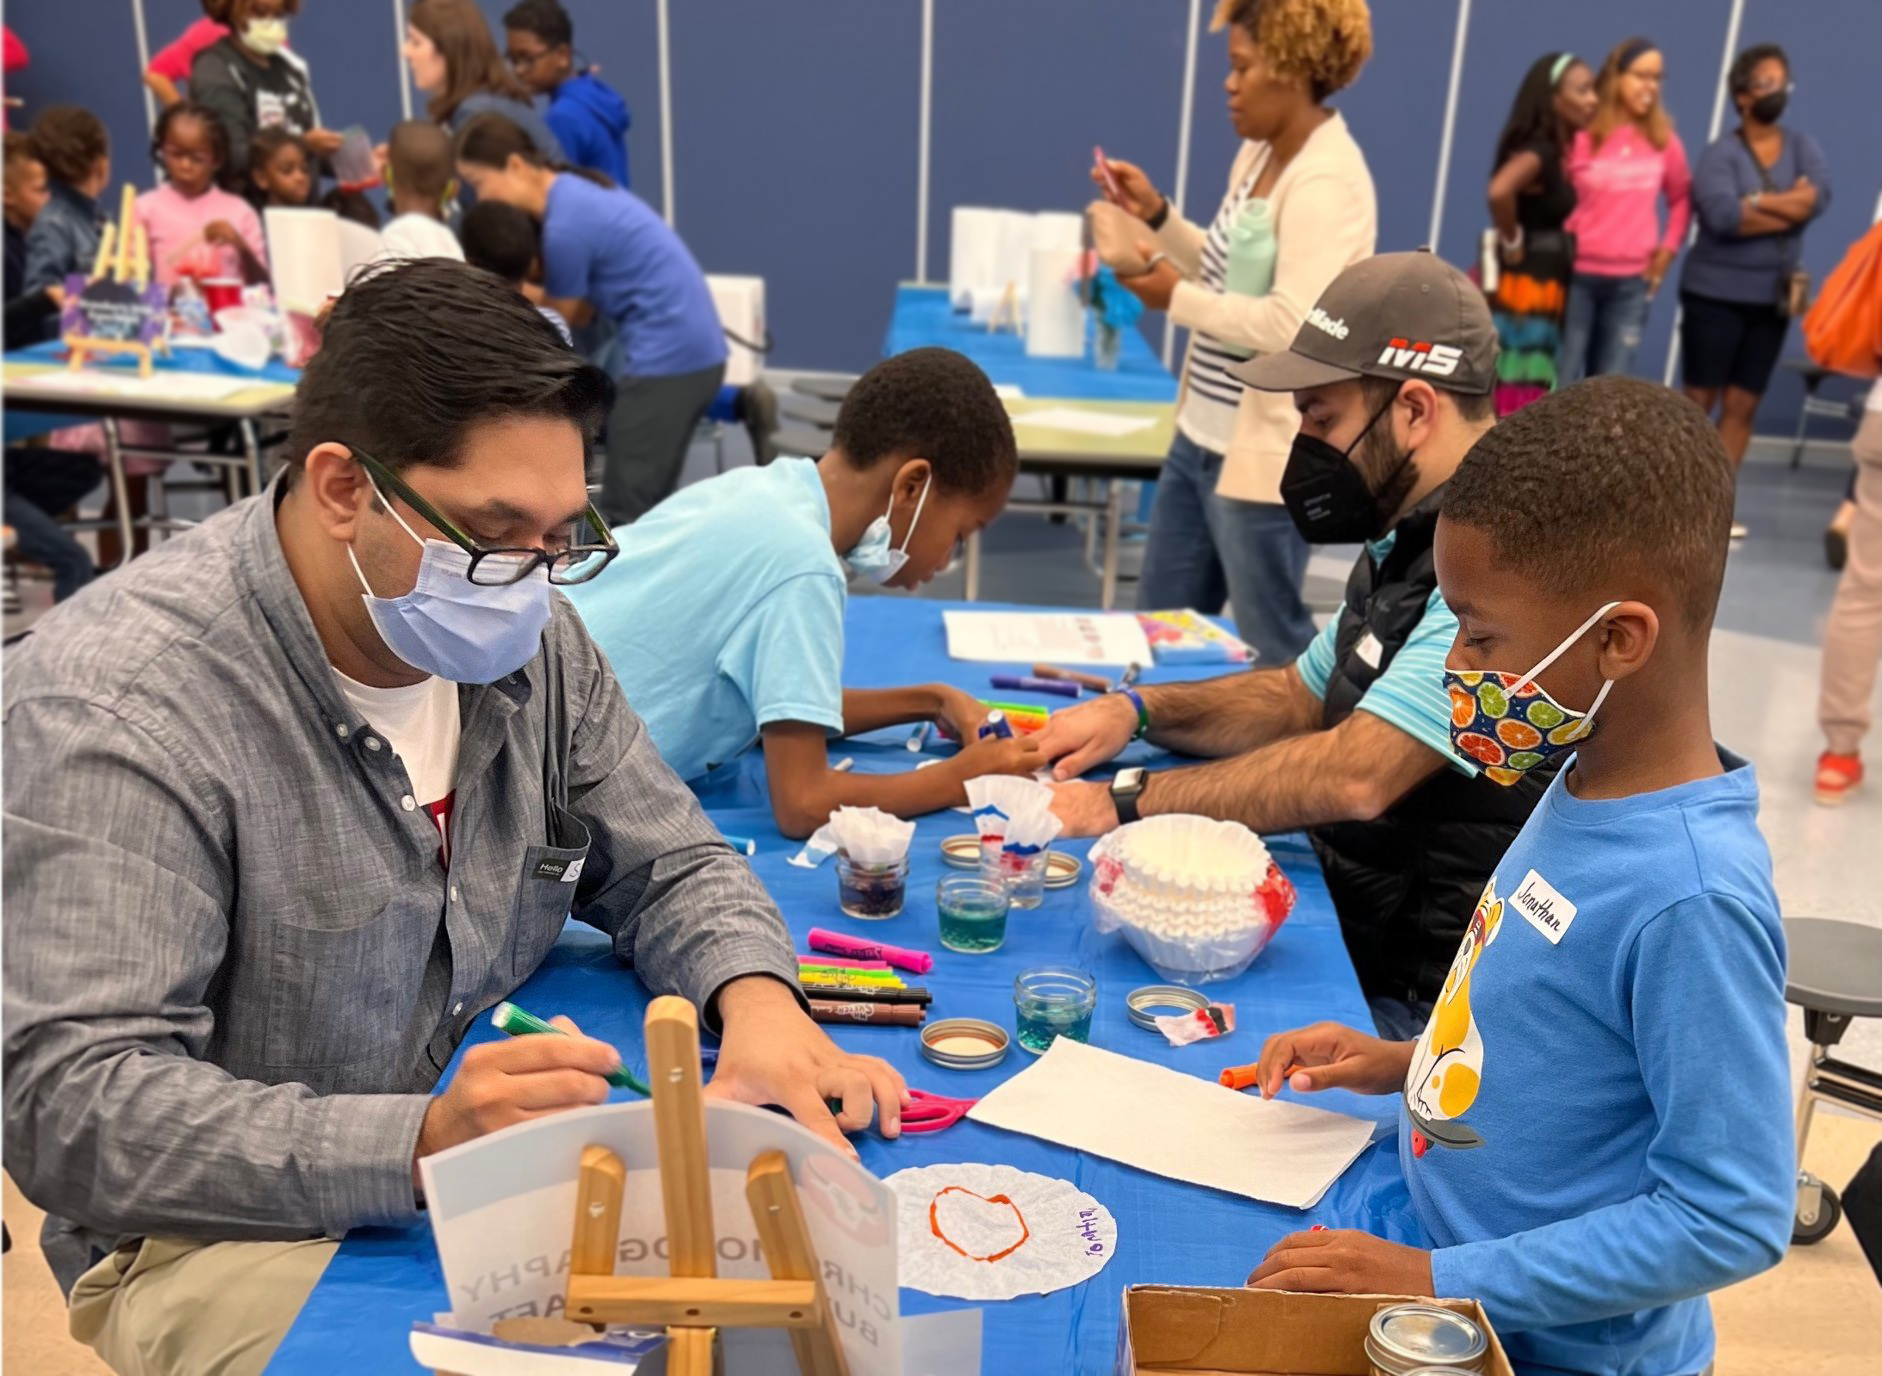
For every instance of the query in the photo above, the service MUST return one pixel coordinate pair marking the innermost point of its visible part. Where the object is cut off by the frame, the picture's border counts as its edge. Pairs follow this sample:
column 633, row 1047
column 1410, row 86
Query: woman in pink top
column 196, row 229
column 1621, row 166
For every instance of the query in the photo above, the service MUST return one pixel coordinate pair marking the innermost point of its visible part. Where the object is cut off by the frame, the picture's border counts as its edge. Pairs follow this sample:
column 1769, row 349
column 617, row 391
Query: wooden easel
column 123, row 256
column 692, row 1303
column 1007, row 311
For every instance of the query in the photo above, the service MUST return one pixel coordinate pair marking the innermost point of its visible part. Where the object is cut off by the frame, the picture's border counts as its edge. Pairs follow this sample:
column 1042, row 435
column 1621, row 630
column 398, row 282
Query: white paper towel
column 974, row 237
column 1013, row 260
column 1055, row 316
column 1058, row 229
column 304, row 250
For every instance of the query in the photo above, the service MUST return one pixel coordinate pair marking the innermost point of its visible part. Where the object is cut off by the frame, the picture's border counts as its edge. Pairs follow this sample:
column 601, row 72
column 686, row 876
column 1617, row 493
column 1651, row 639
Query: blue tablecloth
column 923, row 316
column 381, row 1280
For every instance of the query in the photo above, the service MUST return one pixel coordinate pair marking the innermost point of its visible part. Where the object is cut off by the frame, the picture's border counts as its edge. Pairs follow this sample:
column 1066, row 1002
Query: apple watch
column 1126, row 788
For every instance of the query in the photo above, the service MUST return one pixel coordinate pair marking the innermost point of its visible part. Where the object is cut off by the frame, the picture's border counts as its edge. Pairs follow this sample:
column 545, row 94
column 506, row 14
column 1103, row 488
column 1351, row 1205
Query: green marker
column 508, row 1018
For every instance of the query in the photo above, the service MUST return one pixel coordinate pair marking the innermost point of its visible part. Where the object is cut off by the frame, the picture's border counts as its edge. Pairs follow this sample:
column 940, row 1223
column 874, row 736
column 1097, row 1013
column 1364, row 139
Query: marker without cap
column 508, row 1018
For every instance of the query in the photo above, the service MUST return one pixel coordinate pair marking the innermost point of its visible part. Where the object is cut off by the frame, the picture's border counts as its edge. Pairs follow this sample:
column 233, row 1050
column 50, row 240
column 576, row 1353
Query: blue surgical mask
column 454, row 628
column 872, row 556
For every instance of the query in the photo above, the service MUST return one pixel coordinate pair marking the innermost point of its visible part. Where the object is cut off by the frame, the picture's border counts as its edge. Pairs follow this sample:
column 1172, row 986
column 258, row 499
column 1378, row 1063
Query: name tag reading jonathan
column 1543, row 908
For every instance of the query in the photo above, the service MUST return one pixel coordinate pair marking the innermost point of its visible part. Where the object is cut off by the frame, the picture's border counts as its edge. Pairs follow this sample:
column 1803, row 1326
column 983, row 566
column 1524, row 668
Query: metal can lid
column 1145, row 1005
column 964, row 1043
column 962, row 852
column 1408, row 1336
column 1062, row 870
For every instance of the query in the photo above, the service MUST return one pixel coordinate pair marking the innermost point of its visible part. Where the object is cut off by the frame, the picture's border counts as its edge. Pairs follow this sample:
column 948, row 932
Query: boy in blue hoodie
column 586, row 113
column 1595, row 1124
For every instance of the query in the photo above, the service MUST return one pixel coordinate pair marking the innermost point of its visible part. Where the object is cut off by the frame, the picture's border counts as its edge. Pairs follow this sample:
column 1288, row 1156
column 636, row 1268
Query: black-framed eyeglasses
column 522, row 62
column 500, row 566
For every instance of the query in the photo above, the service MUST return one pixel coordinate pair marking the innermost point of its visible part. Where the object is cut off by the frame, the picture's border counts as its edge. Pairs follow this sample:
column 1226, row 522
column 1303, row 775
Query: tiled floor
column 1818, row 1312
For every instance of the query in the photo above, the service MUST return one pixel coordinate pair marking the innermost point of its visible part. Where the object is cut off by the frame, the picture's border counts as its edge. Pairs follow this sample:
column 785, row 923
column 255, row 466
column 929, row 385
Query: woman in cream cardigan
column 1218, row 528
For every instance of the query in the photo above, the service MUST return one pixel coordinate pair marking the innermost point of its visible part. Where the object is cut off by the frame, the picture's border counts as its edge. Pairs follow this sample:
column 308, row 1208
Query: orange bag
column 1843, row 331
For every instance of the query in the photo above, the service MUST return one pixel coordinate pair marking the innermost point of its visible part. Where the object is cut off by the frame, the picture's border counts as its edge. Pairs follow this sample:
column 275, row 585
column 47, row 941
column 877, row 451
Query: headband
column 1562, row 64
column 1633, row 52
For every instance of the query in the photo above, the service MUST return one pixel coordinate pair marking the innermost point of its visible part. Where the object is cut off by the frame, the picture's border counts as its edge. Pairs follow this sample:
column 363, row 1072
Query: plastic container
column 871, row 893
column 1050, row 1002
column 973, row 913
column 1249, row 266
column 1409, row 1337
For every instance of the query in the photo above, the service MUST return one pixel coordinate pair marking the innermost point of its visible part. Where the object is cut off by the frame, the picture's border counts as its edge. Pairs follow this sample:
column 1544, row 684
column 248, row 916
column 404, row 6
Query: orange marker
column 1240, row 1077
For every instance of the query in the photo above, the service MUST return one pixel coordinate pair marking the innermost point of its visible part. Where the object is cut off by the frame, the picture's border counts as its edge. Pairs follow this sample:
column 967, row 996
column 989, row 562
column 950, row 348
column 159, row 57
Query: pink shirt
column 174, row 61
column 1616, row 222
column 175, row 225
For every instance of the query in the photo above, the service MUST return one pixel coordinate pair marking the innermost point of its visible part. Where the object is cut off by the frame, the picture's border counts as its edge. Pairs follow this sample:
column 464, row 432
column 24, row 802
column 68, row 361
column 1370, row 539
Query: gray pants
column 649, row 431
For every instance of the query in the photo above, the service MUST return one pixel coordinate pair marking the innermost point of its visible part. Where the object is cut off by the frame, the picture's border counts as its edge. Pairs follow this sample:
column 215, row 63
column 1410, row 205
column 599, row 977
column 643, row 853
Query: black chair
column 813, row 411
column 1835, row 975
column 1812, row 376
column 825, row 388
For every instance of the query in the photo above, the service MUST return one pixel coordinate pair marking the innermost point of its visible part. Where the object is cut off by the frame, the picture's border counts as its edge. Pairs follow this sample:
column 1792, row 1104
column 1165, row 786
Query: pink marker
column 835, row 943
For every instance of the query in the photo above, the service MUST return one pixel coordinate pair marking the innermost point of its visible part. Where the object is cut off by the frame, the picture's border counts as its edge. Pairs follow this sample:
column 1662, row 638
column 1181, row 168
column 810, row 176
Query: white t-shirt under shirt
column 1211, row 396
column 420, row 725
column 418, row 236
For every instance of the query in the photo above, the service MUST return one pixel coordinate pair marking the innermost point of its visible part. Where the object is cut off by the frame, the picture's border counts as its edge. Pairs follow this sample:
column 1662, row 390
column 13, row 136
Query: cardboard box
column 1262, row 1332
column 740, row 302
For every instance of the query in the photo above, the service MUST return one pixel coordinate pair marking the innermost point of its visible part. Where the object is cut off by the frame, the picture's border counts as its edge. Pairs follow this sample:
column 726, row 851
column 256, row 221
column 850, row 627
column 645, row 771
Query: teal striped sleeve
column 1316, row 665
column 1410, row 694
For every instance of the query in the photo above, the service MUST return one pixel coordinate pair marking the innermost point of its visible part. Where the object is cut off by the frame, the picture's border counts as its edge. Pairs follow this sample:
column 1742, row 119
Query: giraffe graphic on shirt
column 1447, row 1065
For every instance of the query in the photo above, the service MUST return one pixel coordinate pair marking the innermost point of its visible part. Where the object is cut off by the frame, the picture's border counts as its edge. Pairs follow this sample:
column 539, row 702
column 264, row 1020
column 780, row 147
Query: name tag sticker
column 553, row 869
column 1368, row 650
column 574, row 871
column 1543, row 908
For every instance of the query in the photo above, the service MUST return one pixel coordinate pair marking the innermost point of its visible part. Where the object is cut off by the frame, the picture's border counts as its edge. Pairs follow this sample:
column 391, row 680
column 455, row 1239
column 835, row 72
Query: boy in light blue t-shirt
column 1595, row 1124
column 723, row 614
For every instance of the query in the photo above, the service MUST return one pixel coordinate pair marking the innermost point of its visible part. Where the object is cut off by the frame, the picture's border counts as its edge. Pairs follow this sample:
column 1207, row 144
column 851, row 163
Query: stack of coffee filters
column 1198, row 899
column 1012, row 816
column 868, row 835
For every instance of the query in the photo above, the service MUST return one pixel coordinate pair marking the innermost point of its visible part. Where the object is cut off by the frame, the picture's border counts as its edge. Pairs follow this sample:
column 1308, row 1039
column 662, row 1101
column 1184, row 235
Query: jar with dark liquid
column 871, row 892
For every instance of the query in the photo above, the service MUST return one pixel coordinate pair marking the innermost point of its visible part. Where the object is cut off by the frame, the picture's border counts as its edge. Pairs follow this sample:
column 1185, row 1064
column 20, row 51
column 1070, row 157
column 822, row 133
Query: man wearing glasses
column 293, row 800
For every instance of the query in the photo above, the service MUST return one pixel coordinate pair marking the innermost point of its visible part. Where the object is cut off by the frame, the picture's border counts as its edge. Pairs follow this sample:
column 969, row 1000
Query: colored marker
column 1240, row 1076
column 919, row 736
column 901, row 957
column 849, row 961
column 996, row 724
column 844, row 765
column 509, row 1019
column 1027, row 684
column 861, row 993
column 890, row 1014
column 812, row 974
column 744, row 845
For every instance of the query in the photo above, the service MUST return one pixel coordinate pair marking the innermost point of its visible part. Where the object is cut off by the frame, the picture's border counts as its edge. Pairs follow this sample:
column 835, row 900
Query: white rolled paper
column 1058, row 229
column 304, row 247
column 974, row 239
column 1055, row 317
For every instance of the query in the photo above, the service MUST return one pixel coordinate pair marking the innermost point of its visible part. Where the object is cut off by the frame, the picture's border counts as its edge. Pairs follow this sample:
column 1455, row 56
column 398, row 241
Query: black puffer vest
column 1405, row 883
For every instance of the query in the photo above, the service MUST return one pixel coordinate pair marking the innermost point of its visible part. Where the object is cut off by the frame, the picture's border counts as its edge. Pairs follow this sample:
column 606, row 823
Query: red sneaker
column 1838, row 776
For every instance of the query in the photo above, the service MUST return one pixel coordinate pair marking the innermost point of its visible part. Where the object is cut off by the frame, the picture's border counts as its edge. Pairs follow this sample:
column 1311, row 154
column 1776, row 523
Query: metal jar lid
column 962, row 852
column 1147, row 1004
column 1408, row 1336
column 938, row 1043
column 1062, row 870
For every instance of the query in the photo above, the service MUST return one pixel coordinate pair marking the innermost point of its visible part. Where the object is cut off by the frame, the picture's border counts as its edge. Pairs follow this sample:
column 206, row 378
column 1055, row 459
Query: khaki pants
column 1852, row 640
column 164, row 1307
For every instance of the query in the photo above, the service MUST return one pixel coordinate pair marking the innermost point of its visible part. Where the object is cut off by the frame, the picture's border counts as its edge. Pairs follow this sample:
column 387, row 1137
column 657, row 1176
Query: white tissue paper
column 979, row 1232
column 868, row 835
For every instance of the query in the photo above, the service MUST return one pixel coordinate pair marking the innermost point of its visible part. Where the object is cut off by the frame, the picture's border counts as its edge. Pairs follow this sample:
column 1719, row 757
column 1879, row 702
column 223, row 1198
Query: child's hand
column 1330, row 1055
column 999, row 755
column 221, row 232
column 1343, row 1262
column 323, row 143
column 959, row 712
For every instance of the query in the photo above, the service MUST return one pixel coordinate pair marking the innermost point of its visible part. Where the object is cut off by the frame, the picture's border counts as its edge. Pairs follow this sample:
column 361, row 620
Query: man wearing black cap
column 1392, row 375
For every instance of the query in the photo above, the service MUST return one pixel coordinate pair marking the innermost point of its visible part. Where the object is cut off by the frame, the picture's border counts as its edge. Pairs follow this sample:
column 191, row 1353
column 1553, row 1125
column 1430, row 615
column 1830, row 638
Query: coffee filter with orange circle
column 985, row 1232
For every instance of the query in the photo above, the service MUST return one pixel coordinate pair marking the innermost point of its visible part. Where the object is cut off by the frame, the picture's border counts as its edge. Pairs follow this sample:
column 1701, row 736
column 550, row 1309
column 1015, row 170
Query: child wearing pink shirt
column 196, row 229
column 1621, row 167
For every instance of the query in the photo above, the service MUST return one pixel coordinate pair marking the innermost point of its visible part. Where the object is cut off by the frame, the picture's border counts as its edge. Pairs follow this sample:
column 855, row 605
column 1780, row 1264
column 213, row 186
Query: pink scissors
column 932, row 1112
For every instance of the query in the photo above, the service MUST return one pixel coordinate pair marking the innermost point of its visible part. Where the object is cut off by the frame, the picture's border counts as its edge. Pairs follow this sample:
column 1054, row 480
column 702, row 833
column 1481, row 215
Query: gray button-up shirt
column 234, row 961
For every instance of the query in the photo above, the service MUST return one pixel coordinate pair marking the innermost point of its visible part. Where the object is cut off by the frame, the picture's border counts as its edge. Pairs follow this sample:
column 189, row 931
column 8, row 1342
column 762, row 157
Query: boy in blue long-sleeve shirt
column 587, row 114
column 1594, row 1126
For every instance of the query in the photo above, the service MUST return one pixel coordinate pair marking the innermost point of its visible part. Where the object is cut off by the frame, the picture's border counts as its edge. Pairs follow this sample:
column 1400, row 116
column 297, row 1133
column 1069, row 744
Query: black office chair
column 1835, row 975
column 1813, row 376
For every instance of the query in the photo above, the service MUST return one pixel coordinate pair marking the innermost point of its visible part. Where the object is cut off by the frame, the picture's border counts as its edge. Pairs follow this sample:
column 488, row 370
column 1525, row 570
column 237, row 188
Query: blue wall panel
column 85, row 55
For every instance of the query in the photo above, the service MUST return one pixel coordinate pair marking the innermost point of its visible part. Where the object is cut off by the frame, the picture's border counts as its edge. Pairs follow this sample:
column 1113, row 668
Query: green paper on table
column 508, row 1018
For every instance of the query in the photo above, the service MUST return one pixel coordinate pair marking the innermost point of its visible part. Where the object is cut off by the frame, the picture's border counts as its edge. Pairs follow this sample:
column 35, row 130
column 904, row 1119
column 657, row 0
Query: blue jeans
column 40, row 482
column 1205, row 549
column 1601, row 333
column 1399, row 1020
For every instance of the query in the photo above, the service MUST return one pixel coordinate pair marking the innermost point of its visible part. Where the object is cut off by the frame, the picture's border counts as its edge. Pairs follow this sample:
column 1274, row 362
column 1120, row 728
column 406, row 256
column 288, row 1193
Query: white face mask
column 265, row 37
column 872, row 556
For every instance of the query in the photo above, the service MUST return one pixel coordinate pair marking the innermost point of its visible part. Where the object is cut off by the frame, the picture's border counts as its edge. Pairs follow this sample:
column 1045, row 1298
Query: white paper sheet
column 979, row 1232
column 1177, row 1125
column 1085, row 422
column 162, row 386
column 1061, row 638
column 501, row 1210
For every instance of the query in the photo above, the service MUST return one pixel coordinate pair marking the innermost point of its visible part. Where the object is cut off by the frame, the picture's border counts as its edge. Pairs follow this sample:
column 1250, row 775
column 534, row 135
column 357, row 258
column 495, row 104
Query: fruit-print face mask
column 1508, row 723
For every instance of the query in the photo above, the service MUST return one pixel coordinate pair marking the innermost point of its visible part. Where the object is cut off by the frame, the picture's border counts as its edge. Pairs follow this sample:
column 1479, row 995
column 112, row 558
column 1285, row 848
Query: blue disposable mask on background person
column 872, row 556
column 1508, row 723
column 265, row 37
column 454, row 628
